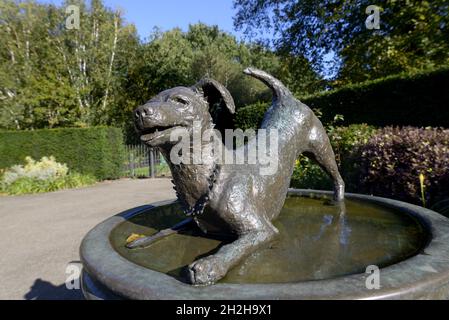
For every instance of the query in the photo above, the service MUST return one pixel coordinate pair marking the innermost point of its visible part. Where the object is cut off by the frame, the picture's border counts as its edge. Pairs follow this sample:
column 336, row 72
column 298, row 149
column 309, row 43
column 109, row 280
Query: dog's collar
column 201, row 204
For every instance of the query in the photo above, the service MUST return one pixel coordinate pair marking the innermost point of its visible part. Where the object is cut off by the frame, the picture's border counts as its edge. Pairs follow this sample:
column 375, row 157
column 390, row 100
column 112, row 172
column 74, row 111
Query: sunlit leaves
column 413, row 34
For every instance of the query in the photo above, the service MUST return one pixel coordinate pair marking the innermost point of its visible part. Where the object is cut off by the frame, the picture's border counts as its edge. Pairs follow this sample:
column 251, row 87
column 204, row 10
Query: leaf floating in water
column 134, row 237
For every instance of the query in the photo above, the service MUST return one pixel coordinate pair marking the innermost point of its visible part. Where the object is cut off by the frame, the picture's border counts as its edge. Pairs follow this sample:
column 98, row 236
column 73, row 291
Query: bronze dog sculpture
column 234, row 199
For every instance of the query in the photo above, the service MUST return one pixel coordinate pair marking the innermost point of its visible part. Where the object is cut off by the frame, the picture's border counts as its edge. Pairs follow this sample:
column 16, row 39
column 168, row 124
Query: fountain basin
column 320, row 254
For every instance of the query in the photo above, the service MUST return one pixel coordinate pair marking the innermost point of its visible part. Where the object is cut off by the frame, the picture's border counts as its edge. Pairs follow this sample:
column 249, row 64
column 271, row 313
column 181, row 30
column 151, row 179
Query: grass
column 161, row 170
column 138, row 172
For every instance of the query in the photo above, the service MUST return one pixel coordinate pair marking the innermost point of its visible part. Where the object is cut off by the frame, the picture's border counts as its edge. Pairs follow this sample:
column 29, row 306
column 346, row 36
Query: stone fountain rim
column 426, row 275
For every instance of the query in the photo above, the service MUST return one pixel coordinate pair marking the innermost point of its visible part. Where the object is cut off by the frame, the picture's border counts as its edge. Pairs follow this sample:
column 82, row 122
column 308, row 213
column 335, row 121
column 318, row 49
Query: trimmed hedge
column 420, row 99
column 98, row 151
column 251, row 116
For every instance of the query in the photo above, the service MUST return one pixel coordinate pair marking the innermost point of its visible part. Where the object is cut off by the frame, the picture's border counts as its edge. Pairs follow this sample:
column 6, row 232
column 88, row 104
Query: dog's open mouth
column 153, row 133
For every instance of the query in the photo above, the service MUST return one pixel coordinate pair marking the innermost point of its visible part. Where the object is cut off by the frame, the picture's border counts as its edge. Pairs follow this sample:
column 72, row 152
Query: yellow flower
column 421, row 182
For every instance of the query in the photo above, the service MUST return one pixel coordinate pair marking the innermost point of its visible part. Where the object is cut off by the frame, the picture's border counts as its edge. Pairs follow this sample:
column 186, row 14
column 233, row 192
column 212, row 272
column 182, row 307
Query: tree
column 52, row 76
column 413, row 34
column 181, row 58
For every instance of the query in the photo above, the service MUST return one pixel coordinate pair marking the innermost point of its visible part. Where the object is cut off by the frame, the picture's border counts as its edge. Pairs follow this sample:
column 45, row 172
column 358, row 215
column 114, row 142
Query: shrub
column 43, row 176
column 393, row 159
column 345, row 143
column 386, row 162
column 29, row 185
column 308, row 175
column 45, row 169
column 97, row 151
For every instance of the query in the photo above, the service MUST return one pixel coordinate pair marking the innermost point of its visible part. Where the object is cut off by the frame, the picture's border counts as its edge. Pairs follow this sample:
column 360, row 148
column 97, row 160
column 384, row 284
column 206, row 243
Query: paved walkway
column 41, row 234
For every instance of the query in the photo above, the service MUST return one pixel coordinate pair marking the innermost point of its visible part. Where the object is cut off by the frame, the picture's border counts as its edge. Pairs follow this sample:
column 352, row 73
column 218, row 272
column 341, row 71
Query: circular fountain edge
column 107, row 275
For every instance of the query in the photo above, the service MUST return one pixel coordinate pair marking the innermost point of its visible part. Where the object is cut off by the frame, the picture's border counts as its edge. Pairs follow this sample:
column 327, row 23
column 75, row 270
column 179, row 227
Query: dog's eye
column 181, row 100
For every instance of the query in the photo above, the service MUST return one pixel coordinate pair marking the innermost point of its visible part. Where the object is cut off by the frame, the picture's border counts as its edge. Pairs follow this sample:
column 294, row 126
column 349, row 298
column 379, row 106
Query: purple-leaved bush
column 392, row 160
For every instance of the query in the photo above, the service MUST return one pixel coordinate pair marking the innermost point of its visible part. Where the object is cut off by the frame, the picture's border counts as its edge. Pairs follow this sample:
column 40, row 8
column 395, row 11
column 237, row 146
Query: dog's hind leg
column 321, row 150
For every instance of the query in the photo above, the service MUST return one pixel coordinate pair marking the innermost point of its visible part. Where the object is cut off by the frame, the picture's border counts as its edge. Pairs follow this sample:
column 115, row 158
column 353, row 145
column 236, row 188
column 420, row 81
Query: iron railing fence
column 142, row 161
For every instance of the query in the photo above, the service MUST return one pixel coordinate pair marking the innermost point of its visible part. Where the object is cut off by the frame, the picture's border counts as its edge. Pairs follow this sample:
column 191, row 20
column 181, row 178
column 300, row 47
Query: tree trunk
column 111, row 62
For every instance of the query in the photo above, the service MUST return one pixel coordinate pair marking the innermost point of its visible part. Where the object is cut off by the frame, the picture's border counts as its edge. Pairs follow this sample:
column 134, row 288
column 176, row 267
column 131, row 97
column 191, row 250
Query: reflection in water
column 317, row 240
column 327, row 220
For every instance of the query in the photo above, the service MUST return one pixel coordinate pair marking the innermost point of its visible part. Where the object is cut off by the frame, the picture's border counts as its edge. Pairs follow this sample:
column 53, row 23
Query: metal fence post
column 131, row 157
column 156, row 161
column 152, row 171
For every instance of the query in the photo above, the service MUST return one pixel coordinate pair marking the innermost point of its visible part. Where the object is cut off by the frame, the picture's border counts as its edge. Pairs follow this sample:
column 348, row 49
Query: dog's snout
column 144, row 111
column 137, row 114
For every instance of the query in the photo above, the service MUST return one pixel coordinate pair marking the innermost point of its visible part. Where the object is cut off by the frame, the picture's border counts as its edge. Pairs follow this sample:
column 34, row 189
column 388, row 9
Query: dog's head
column 208, row 102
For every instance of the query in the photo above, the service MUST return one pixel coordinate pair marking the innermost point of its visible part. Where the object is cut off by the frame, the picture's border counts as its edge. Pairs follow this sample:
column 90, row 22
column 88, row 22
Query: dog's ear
column 216, row 95
column 221, row 103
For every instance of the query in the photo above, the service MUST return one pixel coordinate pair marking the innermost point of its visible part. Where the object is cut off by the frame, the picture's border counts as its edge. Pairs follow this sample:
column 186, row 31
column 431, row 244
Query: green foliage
column 419, row 99
column 96, row 151
column 54, row 77
column 412, row 36
column 162, row 170
column 45, row 175
column 46, row 168
column 251, row 116
column 346, row 142
column 27, row 185
column 176, row 58
column 51, row 76
column 308, row 175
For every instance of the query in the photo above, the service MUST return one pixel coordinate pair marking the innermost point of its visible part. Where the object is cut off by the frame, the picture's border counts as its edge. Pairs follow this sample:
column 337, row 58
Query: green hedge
column 420, row 99
column 250, row 116
column 98, row 151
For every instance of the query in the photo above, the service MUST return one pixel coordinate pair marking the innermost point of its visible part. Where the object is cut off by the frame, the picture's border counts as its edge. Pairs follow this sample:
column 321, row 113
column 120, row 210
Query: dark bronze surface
column 236, row 199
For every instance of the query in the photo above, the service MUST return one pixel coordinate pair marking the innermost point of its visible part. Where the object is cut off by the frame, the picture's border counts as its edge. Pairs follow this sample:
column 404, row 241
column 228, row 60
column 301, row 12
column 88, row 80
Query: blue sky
column 168, row 14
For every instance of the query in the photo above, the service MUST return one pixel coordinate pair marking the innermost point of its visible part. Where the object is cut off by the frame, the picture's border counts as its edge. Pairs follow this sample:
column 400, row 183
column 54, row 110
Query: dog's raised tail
column 279, row 90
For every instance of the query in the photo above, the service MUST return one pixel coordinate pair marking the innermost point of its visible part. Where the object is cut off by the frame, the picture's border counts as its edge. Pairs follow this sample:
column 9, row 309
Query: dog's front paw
column 206, row 271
